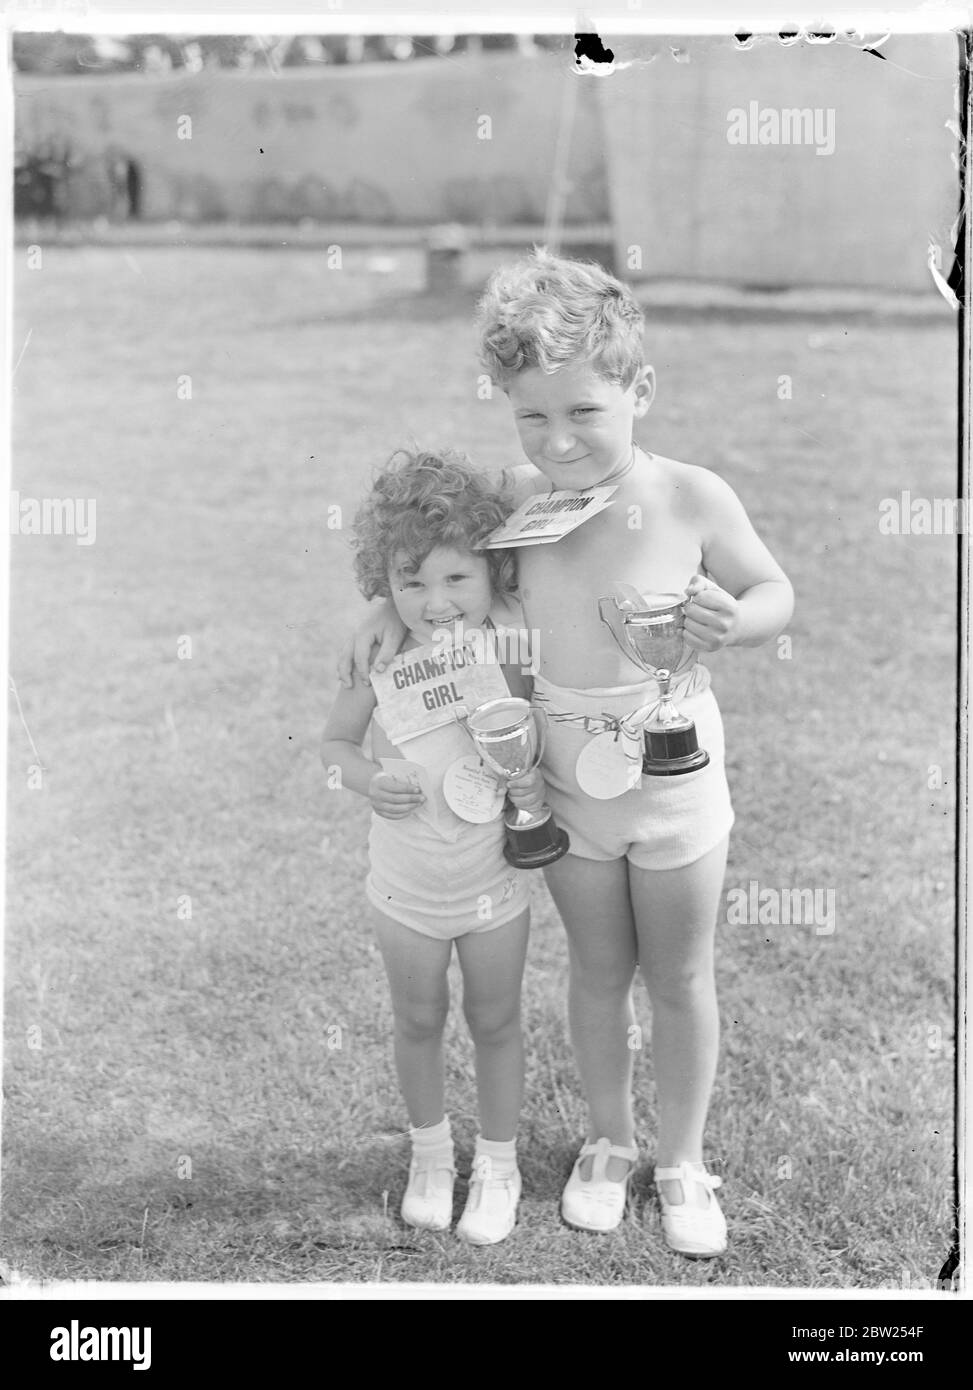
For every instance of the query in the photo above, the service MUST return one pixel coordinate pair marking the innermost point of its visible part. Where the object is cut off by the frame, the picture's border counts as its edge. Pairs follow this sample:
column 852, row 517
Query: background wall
column 379, row 142
column 699, row 207
column 399, row 144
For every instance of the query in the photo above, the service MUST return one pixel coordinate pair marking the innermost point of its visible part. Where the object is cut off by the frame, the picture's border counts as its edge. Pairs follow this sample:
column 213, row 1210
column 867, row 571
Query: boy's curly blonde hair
column 547, row 311
column 423, row 499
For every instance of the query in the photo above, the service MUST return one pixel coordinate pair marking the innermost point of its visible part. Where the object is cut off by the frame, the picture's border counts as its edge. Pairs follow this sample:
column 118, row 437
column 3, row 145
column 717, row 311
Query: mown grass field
column 213, row 1098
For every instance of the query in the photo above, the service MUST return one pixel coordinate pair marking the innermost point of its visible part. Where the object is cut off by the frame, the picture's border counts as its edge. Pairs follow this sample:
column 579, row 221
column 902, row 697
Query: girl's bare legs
column 593, row 898
column 493, row 966
column 416, row 967
column 675, row 915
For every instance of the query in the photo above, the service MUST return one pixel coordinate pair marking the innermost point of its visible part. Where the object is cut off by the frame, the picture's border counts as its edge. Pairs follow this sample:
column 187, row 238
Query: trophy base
column 672, row 751
column 533, row 846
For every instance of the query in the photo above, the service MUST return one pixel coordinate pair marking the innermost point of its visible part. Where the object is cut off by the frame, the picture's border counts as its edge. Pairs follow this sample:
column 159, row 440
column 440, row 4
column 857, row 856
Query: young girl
column 437, row 878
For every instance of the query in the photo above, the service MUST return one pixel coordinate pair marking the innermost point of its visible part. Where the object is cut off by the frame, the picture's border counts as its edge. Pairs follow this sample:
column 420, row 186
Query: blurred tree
column 157, row 52
column 223, row 50
column 554, row 43
column 161, row 53
column 313, row 51
column 399, row 48
column 111, row 54
column 155, row 59
column 53, row 53
column 374, row 49
column 41, row 177
column 433, row 45
column 192, row 57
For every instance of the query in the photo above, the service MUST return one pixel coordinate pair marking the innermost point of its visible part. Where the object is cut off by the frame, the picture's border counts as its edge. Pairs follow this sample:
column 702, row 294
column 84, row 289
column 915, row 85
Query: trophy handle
column 461, row 715
column 606, row 606
column 540, row 721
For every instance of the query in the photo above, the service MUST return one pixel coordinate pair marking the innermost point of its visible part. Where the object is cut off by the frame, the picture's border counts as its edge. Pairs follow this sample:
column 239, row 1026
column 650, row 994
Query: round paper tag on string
column 472, row 791
column 604, row 771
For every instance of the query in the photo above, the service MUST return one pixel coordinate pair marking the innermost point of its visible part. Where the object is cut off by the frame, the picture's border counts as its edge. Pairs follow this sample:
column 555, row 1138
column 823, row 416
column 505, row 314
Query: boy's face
column 450, row 585
column 575, row 426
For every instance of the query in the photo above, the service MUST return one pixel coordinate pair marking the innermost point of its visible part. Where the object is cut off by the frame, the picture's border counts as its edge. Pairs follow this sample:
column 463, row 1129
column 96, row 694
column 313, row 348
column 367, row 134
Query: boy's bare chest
column 630, row 543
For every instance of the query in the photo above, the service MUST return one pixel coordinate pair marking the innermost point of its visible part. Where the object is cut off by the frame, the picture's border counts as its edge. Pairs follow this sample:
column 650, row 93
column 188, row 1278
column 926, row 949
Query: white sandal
column 491, row 1208
column 599, row 1203
column 428, row 1200
column 689, row 1229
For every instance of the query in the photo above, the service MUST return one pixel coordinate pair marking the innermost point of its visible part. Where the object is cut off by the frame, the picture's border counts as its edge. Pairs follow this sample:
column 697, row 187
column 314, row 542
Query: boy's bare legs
column 593, row 898
column 675, row 914
column 493, row 966
column 416, row 967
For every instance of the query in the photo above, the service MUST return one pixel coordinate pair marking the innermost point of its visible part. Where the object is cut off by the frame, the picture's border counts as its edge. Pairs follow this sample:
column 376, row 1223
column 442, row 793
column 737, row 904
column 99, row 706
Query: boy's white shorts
column 666, row 823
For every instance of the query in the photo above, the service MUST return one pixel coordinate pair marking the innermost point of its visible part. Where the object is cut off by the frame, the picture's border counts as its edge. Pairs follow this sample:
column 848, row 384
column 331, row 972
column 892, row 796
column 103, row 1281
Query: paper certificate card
column 547, row 517
column 471, row 790
column 609, row 765
column 424, row 688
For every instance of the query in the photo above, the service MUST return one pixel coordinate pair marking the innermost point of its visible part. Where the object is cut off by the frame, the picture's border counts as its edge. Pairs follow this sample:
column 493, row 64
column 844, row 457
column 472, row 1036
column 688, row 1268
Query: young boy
column 641, row 885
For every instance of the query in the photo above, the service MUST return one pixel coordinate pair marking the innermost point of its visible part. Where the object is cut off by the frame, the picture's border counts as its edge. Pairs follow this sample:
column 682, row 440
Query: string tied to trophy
column 613, row 760
column 690, row 681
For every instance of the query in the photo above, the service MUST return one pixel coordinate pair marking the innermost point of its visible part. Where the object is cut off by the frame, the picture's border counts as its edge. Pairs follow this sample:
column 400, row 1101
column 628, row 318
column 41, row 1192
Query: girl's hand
column 393, row 797
column 384, row 629
column 527, row 792
column 711, row 615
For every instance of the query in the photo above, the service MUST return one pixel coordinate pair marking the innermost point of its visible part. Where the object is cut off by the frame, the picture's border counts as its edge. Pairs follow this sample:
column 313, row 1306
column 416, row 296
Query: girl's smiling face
column 450, row 585
column 575, row 426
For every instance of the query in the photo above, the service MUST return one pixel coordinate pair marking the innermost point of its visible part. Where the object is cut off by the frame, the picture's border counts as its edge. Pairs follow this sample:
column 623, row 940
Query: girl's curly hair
column 423, row 499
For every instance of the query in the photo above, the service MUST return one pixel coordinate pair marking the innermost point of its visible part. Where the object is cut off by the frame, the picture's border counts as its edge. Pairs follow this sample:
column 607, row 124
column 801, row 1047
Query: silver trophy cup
column 508, row 735
column 649, row 631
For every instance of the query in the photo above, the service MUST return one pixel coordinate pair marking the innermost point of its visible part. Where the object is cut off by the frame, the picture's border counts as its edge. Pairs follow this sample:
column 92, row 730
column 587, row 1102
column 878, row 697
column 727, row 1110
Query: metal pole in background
column 557, row 196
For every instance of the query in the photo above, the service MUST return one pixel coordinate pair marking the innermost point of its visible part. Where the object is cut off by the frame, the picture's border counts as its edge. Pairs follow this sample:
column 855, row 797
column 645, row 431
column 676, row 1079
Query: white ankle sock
column 430, row 1139
column 494, row 1158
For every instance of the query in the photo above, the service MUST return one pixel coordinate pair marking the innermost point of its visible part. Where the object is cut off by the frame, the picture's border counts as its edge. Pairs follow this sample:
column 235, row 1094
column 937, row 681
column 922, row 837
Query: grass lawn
column 213, row 1097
